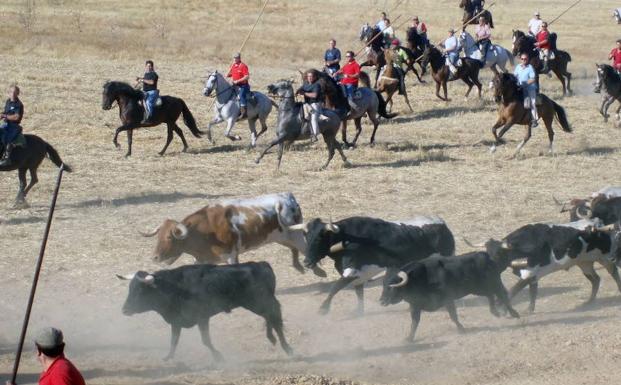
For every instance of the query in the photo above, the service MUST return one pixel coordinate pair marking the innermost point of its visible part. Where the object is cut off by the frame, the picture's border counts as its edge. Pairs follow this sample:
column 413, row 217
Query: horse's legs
column 130, row 139
column 338, row 147
column 274, row 142
column 263, row 125
column 115, row 140
column 252, row 125
column 470, row 84
column 445, row 91
column 179, row 133
column 33, row 180
column 281, row 147
column 560, row 77
column 407, row 101
column 21, row 193
column 606, row 105
column 358, row 123
column 344, row 133
column 438, row 91
column 375, row 121
column 328, row 137
column 477, row 83
column 523, row 142
column 230, row 123
column 389, row 99
column 214, row 121
column 378, row 69
column 548, row 120
column 169, row 137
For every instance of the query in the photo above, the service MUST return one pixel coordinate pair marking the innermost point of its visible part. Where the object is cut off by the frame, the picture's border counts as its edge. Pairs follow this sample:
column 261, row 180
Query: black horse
column 609, row 85
column 523, row 43
column 468, row 71
column 131, row 113
column 470, row 12
column 29, row 158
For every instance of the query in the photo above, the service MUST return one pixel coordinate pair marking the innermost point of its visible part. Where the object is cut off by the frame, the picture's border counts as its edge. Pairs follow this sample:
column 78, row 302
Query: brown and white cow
column 580, row 208
column 219, row 232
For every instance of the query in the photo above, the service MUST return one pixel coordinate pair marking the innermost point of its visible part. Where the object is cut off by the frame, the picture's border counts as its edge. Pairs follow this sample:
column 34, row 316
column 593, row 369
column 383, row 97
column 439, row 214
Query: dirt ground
column 427, row 162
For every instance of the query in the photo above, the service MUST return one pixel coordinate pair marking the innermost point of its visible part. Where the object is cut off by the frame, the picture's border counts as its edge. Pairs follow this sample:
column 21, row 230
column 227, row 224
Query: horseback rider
column 421, row 30
column 483, row 34
column 332, row 58
column 477, row 6
column 149, row 88
column 381, row 24
column 451, row 50
column 10, row 128
column 399, row 56
column 239, row 74
column 527, row 80
column 615, row 56
column 351, row 74
column 534, row 25
column 544, row 46
column 389, row 34
column 313, row 101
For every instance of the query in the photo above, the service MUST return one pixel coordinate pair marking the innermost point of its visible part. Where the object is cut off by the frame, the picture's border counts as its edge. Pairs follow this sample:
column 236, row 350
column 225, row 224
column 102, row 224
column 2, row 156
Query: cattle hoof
column 461, row 330
column 299, row 268
column 323, row 310
column 185, row 149
column 21, row 204
column 116, row 144
column 217, row 356
column 288, row 350
column 161, row 153
column 168, row 357
column 320, row 272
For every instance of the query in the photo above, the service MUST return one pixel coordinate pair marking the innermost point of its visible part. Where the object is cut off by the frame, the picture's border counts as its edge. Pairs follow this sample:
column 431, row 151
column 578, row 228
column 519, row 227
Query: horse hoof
column 116, row 145
column 21, row 204
column 347, row 164
column 492, row 149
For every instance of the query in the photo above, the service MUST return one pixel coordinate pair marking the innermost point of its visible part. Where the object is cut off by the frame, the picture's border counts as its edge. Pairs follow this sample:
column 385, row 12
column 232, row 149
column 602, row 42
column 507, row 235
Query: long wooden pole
column 375, row 37
column 564, row 12
column 253, row 26
column 477, row 15
column 35, row 279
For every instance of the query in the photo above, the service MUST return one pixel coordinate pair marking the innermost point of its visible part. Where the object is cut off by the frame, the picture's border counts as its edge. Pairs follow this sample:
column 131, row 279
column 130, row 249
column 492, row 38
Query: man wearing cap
column 399, row 56
column 351, row 74
column 534, row 25
column 421, row 30
column 526, row 78
column 543, row 43
column 57, row 370
column 615, row 56
column 451, row 49
column 483, row 34
column 239, row 74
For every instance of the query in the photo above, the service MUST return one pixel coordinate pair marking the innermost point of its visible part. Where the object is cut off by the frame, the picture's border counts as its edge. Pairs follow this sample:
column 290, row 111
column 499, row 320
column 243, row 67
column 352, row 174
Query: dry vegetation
column 61, row 52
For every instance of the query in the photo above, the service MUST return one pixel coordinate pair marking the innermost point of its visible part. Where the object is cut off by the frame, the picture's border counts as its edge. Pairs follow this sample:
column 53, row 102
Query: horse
column 291, row 126
column 389, row 82
column 226, row 108
column 413, row 57
column 29, row 158
column 523, row 43
column 469, row 13
column 131, row 113
column 367, row 102
column 609, row 84
column 511, row 110
column 497, row 57
column 375, row 49
column 468, row 72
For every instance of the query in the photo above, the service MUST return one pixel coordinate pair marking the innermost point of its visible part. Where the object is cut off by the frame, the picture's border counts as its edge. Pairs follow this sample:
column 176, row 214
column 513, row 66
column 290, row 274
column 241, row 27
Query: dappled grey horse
column 365, row 102
column 497, row 57
column 226, row 108
column 291, row 126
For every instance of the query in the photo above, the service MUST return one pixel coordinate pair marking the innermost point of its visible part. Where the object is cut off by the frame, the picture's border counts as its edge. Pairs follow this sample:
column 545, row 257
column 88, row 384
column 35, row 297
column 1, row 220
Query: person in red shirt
column 57, row 370
column 615, row 56
column 351, row 74
column 239, row 74
column 543, row 43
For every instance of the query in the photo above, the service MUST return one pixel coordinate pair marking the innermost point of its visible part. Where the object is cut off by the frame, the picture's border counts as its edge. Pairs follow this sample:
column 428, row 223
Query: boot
column 146, row 119
column 545, row 68
column 243, row 113
column 6, row 159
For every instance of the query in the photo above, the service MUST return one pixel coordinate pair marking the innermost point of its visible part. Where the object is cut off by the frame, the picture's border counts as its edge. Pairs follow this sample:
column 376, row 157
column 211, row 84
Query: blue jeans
column 349, row 90
column 9, row 132
column 484, row 46
column 150, row 98
column 244, row 91
column 453, row 57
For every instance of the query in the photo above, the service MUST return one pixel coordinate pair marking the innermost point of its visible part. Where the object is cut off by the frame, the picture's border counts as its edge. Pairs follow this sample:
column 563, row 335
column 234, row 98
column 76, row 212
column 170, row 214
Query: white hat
column 536, row 13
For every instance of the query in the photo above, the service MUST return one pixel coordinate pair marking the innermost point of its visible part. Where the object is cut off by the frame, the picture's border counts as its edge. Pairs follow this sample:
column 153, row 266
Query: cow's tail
column 381, row 108
column 189, row 121
column 55, row 158
column 561, row 116
column 268, row 277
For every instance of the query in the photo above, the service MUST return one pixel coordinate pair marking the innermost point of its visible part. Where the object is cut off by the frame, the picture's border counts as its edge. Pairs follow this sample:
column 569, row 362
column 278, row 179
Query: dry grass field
column 427, row 162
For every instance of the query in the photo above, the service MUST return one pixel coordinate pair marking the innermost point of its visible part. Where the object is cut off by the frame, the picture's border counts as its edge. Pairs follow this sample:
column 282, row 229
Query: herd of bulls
column 417, row 258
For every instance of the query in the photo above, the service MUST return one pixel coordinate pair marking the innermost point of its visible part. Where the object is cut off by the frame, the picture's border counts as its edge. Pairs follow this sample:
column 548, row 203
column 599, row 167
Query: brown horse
column 389, row 81
column 511, row 111
column 469, row 13
column 523, row 43
column 468, row 72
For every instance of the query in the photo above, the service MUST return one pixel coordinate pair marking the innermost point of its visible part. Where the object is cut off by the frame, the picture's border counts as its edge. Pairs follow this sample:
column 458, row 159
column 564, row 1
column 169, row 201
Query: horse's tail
column 564, row 54
column 561, row 116
column 189, row 121
column 55, row 158
column 364, row 80
column 381, row 108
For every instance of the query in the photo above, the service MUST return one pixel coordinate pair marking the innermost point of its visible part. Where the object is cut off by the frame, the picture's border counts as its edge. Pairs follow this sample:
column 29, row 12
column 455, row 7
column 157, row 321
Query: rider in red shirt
column 615, row 56
column 57, row 370
column 240, row 75
column 543, row 43
column 351, row 74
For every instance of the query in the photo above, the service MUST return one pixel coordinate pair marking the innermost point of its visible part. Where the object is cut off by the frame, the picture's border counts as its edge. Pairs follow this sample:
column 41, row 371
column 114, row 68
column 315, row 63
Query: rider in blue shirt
column 527, row 79
column 151, row 93
column 10, row 128
column 332, row 58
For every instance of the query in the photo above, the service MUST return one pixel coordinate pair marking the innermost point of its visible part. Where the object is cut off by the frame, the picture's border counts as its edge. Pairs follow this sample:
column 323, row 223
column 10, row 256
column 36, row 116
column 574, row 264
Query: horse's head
column 463, row 3
column 427, row 55
column 210, row 83
column 519, row 40
column 109, row 95
column 282, row 88
column 505, row 87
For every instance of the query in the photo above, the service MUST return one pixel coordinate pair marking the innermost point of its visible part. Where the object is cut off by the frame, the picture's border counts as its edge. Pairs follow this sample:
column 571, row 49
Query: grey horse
column 291, row 126
column 226, row 108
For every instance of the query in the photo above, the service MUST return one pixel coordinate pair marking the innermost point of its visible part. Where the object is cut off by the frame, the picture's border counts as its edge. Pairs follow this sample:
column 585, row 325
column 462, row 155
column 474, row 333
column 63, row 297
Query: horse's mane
column 509, row 87
column 122, row 88
column 609, row 72
column 331, row 89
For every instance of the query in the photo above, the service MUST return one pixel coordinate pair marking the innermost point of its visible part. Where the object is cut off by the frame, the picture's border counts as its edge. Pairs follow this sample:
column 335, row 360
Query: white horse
column 497, row 56
column 226, row 107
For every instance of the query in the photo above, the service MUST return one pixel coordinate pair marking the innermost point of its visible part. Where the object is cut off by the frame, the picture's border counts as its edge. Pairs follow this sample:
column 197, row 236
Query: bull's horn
column 127, row 277
column 477, row 245
column 337, row 247
column 299, row 226
column 519, row 264
column 332, row 227
column 606, row 228
column 180, row 232
column 404, row 280
column 151, row 233
column 558, row 202
column 148, row 279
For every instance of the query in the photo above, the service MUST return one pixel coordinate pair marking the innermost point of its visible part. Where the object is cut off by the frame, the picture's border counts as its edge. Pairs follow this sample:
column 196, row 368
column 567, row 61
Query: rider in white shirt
column 451, row 49
column 534, row 25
